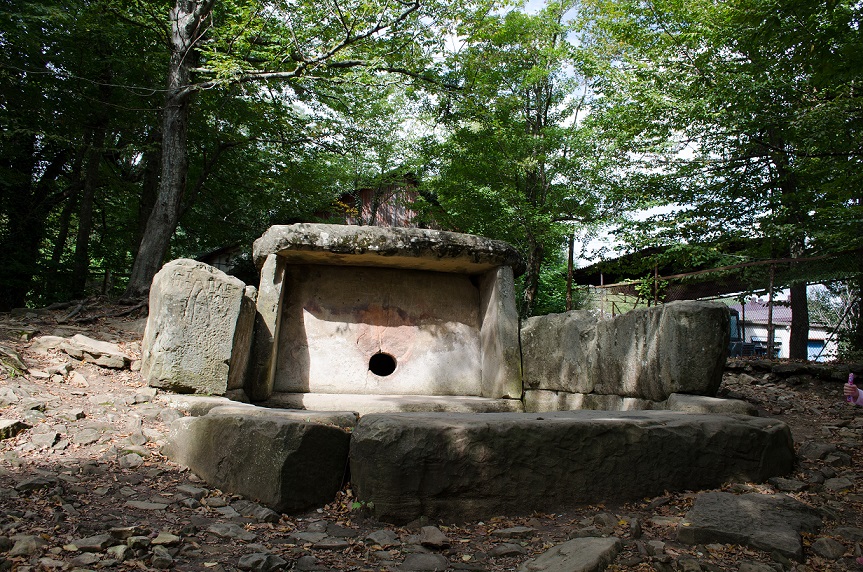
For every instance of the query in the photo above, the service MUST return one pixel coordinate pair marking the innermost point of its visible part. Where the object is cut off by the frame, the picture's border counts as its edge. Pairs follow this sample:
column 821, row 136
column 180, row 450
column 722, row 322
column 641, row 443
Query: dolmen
column 396, row 356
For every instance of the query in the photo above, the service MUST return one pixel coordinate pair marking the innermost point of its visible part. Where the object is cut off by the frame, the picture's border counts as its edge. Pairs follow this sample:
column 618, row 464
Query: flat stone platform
column 457, row 466
column 366, row 404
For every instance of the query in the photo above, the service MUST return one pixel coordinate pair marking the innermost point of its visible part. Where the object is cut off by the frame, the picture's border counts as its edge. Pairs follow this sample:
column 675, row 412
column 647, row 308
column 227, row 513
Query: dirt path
column 84, row 487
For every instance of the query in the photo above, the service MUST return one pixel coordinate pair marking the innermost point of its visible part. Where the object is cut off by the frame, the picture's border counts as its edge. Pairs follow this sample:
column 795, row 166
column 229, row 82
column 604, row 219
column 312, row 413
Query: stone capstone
column 410, row 248
column 410, row 465
column 284, row 463
column 646, row 354
column 199, row 330
column 772, row 523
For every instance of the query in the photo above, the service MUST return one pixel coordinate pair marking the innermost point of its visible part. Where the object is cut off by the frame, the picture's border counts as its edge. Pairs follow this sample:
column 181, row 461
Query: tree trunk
column 798, row 348
column 186, row 28
column 531, row 276
column 149, row 184
column 81, row 263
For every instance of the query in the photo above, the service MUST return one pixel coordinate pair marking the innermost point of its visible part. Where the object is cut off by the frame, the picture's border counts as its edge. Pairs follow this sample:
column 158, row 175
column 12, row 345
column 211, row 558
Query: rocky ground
column 84, row 487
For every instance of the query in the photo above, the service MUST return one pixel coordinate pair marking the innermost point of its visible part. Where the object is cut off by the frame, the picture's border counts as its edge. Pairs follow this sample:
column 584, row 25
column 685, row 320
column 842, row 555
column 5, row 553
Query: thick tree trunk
column 799, row 344
column 149, row 185
column 187, row 26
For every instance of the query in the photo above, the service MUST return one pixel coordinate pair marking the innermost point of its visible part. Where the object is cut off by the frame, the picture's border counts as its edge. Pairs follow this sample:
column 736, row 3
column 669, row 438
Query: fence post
column 655, row 284
column 770, row 314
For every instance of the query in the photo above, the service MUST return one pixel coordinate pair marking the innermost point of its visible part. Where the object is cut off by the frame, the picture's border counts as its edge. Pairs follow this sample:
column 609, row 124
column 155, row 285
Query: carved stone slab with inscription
column 199, row 331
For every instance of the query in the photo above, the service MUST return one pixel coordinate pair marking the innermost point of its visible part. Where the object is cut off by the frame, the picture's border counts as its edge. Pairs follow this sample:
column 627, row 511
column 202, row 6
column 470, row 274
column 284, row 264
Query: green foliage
column 515, row 163
column 739, row 115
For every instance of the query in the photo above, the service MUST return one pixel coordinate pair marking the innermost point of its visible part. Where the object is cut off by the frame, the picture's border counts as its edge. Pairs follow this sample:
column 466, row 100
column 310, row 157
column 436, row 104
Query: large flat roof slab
column 414, row 248
column 367, row 404
column 454, row 466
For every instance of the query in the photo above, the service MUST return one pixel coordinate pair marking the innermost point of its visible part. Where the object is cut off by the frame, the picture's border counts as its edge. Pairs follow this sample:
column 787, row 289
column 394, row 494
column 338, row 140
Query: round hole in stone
column 382, row 364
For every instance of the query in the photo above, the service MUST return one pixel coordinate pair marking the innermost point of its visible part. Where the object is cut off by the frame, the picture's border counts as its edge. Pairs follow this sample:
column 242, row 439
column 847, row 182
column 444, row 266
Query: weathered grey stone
column 96, row 543
column 514, row 532
column 27, row 546
column 429, row 464
column 227, row 530
column 308, row 537
column 261, row 562
column 390, row 403
column 161, row 558
column 415, row 248
column 268, row 308
column 84, row 560
column 146, row 505
column 343, row 419
column 506, row 549
column 35, row 484
column 118, row 552
column 308, row 563
column 8, row 396
column 578, row 555
column 433, row 537
column 199, row 330
column 839, row 484
column 42, row 344
column 283, row 463
column 559, row 352
column 828, row 548
column 704, row 404
column 788, row 485
column 383, row 538
column 678, row 347
column 195, row 405
column 330, row 543
column 254, row 510
column 815, row 450
column 105, row 354
column 538, row 400
column 166, row 539
column 421, row 562
column 11, row 427
column 849, row 533
column 501, row 357
column 766, row 522
column 125, row 532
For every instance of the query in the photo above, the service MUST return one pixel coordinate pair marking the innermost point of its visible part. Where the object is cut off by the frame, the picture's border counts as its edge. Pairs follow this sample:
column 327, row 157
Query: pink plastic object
column 850, row 399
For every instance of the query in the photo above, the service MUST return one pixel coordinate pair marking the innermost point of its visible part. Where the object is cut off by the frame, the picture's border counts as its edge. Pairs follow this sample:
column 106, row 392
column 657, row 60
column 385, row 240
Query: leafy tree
column 515, row 163
column 312, row 53
column 742, row 116
column 66, row 112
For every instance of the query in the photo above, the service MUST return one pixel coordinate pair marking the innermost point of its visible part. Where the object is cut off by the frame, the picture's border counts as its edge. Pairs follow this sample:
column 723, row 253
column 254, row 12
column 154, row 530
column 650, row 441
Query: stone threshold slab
column 451, row 465
column 367, row 404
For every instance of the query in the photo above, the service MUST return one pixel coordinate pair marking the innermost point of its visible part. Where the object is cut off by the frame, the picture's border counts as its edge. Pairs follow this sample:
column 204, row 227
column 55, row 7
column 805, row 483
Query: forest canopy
column 137, row 132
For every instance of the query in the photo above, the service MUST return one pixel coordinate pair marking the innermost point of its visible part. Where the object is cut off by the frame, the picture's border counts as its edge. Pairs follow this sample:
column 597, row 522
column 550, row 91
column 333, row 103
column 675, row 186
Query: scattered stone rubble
column 84, row 486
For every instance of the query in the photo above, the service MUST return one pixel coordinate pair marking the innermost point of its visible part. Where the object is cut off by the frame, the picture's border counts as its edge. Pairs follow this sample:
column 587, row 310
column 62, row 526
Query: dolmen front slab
column 455, row 466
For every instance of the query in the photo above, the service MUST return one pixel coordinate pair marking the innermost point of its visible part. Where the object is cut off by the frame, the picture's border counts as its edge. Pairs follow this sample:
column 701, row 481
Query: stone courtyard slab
column 767, row 522
column 451, row 465
column 279, row 458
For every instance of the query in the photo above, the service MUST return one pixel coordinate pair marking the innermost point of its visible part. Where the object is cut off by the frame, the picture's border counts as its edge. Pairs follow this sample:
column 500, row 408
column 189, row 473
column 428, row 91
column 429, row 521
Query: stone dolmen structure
column 396, row 356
